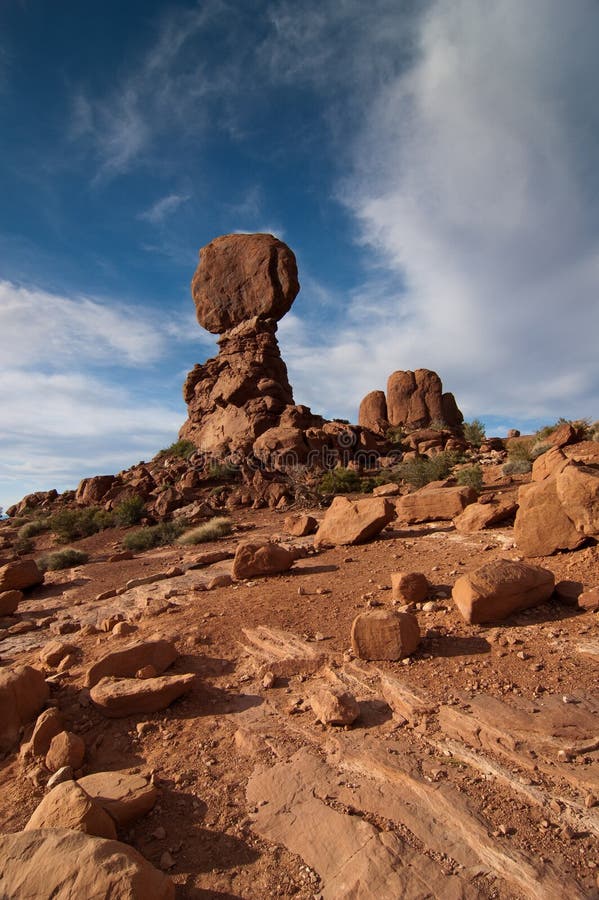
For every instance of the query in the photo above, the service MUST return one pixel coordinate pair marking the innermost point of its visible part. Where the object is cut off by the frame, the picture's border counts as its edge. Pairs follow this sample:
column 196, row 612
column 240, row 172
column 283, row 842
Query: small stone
column 269, row 681
column 159, row 833
column 122, row 629
column 590, row 801
column 66, row 749
column 146, row 672
column 166, row 861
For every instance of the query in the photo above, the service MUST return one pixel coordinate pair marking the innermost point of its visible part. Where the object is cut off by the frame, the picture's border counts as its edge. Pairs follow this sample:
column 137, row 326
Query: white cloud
column 474, row 186
column 163, row 208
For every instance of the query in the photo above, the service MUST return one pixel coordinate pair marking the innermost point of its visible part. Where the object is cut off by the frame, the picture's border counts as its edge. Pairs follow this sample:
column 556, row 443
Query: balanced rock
column 19, row 575
column 334, row 706
column 125, row 797
column 66, row 749
column 23, row 693
column 126, row 662
column 415, row 399
column 9, row 601
column 68, row 806
column 254, row 559
column 384, row 634
column 373, row 412
column 241, row 276
column 409, row 587
column 62, row 864
column 353, row 521
column 500, row 588
column 433, row 504
column 119, row 697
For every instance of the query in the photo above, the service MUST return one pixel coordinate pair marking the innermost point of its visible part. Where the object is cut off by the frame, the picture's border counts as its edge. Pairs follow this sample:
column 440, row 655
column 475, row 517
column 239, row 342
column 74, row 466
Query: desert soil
column 211, row 753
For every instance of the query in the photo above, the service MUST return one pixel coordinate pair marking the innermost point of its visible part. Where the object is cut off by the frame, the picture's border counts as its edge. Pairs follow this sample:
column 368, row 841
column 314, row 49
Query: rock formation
column 414, row 400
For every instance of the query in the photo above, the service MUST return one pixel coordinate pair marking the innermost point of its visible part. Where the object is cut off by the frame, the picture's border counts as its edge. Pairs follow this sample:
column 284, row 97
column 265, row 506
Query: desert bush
column 395, row 434
column 421, row 471
column 62, row 559
column 153, row 536
column 33, row 528
column 471, row 476
column 340, row 481
column 129, row 511
column 182, row 449
column 223, row 471
column 516, row 467
column 208, row 531
column 438, row 425
column 24, row 545
column 474, row 432
column 521, row 449
column 74, row 524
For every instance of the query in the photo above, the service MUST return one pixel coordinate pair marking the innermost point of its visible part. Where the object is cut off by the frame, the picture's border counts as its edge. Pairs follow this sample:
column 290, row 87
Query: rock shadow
column 373, row 713
column 448, row 645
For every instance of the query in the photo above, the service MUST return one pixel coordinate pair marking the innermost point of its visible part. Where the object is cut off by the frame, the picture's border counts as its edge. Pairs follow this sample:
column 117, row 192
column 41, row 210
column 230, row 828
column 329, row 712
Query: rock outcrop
column 414, row 400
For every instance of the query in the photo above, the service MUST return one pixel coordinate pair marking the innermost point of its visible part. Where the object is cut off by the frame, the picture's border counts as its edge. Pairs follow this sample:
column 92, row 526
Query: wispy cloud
column 163, row 208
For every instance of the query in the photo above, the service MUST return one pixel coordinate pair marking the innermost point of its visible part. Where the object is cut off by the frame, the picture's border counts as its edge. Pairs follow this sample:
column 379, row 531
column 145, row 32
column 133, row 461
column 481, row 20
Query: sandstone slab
column 434, row 504
column 353, row 521
column 126, row 662
column 478, row 516
column 61, row 864
column 282, row 653
column 300, row 525
column 384, row 634
column 119, row 697
column 541, row 526
column 334, row 705
column 126, row 797
column 68, row 806
column 500, row 588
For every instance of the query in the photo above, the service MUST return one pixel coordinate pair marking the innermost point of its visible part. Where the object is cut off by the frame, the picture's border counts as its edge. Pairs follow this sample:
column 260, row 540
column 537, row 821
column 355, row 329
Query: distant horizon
column 431, row 163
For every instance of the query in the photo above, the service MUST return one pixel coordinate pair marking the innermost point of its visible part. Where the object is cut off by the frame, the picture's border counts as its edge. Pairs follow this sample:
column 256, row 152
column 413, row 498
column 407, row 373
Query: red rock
column 119, row 697
column 409, row 587
column 62, row 864
column 334, row 706
column 241, row 276
column 55, row 651
column 373, row 413
column 386, row 490
column 548, row 464
column 563, row 434
column 432, row 504
column 589, row 600
column 48, row 724
column 66, row 749
column 9, row 601
column 300, row 525
column 568, row 592
column 585, row 452
column 126, row 797
column 477, row 516
column 541, row 526
column 578, row 492
column 353, row 521
column 415, row 399
column 500, row 588
column 384, row 634
column 17, row 576
column 68, row 806
column 92, row 490
column 126, row 662
column 23, row 693
column 254, row 559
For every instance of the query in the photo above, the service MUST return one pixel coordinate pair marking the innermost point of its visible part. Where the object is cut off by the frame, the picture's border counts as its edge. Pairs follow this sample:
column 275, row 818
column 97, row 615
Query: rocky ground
column 471, row 770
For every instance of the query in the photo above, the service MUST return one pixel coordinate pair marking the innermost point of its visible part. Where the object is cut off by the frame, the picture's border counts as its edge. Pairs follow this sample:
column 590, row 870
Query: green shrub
column 103, row 519
column 340, row 481
column 395, row 434
column 33, row 528
column 421, row 471
column 474, row 432
column 208, row 531
column 516, row 467
column 74, row 524
column 24, row 545
column 438, row 425
column 471, row 476
column 153, row 536
column 182, row 449
column 130, row 511
column 521, row 449
column 62, row 559
column 223, row 471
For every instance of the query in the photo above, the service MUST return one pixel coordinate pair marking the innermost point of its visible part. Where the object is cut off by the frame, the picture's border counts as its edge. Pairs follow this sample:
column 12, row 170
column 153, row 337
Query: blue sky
column 432, row 165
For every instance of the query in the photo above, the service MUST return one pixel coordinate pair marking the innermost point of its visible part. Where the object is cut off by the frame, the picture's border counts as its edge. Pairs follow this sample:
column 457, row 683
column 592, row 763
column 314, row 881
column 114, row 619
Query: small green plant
column 420, row 471
column 74, row 524
column 62, row 559
column 33, row 528
column 208, row 531
column 130, row 511
column 521, row 449
column 438, row 425
column 223, row 471
column 153, row 536
column 516, row 467
column 182, row 449
column 395, row 434
column 340, row 481
column 474, row 432
column 471, row 476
